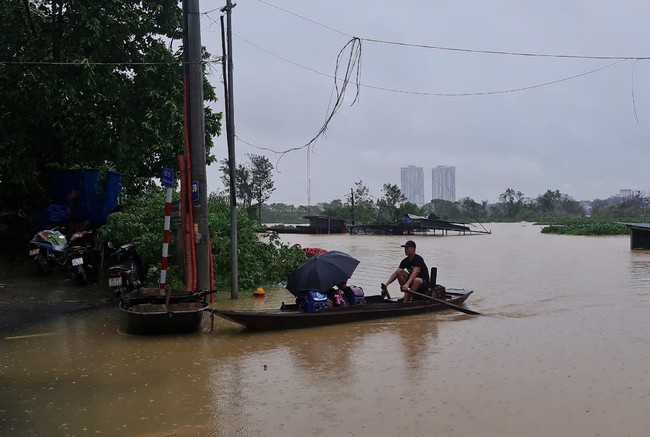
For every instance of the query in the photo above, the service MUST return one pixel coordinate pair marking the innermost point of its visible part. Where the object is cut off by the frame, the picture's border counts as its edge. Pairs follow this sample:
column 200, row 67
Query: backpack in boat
column 312, row 301
column 355, row 295
column 338, row 298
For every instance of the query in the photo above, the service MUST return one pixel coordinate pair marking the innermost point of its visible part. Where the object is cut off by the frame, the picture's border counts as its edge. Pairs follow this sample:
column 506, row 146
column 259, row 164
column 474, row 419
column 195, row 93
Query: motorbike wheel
column 82, row 275
column 136, row 276
column 44, row 267
column 118, row 292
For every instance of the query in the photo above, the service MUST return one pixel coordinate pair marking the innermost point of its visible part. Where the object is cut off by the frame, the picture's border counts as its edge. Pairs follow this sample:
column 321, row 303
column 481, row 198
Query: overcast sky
column 586, row 136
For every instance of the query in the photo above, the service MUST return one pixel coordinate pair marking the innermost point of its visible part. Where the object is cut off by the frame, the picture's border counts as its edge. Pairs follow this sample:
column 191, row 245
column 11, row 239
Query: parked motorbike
column 82, row 258
column 48, row 249
column 126, row 271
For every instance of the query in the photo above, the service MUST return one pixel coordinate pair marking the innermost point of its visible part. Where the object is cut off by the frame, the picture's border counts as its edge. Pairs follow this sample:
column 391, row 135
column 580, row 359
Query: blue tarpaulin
column 87, row 194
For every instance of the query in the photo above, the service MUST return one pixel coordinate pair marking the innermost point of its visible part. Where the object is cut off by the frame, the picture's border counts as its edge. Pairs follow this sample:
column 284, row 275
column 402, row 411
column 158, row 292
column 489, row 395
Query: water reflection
column 640, row 270
column 565, row 307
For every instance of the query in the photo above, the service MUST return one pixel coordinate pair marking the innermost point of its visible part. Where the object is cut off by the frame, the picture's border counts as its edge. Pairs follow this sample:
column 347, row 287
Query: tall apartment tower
column 413, row 184
column 443, row 183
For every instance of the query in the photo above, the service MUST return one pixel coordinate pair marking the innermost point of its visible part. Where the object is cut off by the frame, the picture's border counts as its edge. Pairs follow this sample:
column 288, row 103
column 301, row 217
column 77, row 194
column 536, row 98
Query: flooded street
column 562, row 348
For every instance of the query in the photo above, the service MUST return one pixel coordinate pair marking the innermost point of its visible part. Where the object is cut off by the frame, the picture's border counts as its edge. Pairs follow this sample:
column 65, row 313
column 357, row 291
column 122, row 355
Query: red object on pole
column 165, row 247
column 188, row 232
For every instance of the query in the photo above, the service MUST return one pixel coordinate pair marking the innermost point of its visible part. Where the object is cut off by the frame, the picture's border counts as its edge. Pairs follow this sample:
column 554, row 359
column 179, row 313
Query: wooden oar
column 449, row 304
column 384, row 291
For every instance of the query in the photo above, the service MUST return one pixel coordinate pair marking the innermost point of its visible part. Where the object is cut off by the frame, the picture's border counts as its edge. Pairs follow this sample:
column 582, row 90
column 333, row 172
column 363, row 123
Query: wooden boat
column 143, row 314
column 290, row 317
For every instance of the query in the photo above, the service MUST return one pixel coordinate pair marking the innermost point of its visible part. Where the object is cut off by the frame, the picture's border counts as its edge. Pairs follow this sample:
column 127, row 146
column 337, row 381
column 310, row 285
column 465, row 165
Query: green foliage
column 390, row 202
column 409, row 208
column 262, row 259
column 336, row 209
column 92, row 84
column 510, row 202
column 586, row 226
column 554, row 201
column 468, row 207
column 443, row 209
column 253, row 182
column 283, row 213
column 552, row 208
column 365, row 209
column 141, row 222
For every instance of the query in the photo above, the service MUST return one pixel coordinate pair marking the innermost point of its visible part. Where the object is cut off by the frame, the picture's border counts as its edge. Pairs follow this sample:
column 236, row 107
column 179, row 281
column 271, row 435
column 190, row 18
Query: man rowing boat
column 412, row 273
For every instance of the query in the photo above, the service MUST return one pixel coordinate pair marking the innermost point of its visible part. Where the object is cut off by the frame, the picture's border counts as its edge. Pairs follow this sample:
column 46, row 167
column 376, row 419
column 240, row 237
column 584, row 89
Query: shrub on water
column 262, row 258
column 586, row 226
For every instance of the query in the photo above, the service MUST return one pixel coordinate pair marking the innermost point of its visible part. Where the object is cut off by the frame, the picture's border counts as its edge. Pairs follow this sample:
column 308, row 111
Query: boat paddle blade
column 448, row 304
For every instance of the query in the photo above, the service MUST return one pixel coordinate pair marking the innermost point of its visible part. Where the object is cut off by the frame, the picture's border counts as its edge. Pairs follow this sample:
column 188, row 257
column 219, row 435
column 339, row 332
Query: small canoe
column 290, row 316
column 151, row 315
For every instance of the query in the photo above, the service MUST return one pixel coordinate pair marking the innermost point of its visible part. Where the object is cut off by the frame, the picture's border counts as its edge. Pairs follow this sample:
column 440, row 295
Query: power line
column 486, row 93
column 306, row 19
column 442, row 94
column 459, row 49
column 439, row 94
column 89, row 63
column 506, row 53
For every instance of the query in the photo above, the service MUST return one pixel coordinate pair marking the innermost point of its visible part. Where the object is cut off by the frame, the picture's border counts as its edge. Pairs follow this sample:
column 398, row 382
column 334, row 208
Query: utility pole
column 352, row 204
column 193, row 69
column 230, row 131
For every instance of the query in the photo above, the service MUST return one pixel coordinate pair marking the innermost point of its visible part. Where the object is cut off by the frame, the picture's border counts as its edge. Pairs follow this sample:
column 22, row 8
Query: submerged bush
column 586, row 226
column 262, row 258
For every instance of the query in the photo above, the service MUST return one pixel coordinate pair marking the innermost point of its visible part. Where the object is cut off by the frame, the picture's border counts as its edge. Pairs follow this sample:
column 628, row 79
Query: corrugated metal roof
column 636, row 225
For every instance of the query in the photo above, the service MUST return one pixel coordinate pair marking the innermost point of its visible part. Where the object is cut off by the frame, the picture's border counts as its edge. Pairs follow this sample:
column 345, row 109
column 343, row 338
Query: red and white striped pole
column 167, row 181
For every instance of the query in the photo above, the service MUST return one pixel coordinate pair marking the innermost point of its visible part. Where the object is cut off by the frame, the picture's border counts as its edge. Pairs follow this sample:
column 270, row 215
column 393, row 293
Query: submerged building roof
column 639, row 235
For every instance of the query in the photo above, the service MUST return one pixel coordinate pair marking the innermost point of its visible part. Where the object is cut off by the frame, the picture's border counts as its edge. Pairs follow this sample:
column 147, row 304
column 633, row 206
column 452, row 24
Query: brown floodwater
column 562, row 349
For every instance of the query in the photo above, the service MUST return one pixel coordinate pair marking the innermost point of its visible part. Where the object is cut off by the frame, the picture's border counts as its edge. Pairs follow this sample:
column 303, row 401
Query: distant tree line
column 550, row 207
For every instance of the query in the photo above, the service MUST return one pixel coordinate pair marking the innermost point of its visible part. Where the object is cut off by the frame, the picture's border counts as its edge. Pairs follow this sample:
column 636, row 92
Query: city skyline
column 443, row 184
column 412, row 184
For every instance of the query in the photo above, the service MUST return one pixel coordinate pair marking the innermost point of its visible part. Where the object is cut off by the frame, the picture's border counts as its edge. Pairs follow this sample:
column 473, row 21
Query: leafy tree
column 633, row 208
column 283, row 213
column 253, row 182
column 336, row 209
column 634, row 203
column 266, row 259
column 470, row 208
column 510, row 202
column 408, row 208
column 556, row 202
column 243, row 190
column 261, row 181
column 443, row 209
column 548, row 201
column 365, row 211
column 92, row 84
column 389, row 203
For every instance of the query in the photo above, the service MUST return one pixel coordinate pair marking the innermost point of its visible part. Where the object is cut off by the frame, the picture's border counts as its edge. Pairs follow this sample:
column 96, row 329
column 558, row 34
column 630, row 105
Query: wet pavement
column 27, row 297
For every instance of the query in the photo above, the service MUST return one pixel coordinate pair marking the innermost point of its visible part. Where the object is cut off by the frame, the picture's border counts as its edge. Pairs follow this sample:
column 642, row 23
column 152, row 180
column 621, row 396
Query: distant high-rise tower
column 413, row 184
column 443, row 183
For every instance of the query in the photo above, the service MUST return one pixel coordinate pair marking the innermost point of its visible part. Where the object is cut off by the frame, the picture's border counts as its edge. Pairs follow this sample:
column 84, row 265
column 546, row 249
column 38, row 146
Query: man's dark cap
column 409, row 243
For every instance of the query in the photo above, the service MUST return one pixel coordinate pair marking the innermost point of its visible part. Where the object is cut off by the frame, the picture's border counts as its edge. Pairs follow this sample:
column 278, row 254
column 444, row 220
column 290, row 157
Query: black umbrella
column 322, row 272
